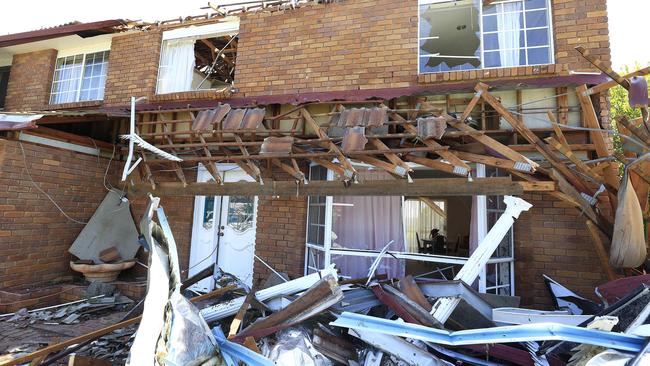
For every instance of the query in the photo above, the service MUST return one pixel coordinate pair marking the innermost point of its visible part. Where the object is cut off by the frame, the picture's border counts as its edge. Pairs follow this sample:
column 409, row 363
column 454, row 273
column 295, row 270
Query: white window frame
column 482, row 50
column 441, row 259
column 81, row 77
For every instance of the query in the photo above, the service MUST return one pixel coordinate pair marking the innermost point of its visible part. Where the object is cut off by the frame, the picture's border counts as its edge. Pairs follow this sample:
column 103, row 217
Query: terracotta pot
column 105, row 272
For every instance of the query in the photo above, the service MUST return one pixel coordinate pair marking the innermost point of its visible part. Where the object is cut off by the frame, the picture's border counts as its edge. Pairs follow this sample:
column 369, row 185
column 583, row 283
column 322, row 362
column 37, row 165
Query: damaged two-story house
column 310, row 134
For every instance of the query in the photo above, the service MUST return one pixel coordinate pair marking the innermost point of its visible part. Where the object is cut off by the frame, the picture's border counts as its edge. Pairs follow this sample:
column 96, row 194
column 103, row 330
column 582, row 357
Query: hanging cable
column 42, row 191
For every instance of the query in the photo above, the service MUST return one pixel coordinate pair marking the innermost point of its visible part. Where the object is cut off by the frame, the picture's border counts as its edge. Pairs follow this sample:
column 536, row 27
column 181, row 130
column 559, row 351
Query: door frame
column 197, row 220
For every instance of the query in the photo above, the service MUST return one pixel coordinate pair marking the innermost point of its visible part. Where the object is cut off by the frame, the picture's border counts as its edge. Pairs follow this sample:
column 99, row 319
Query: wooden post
column 600, row 250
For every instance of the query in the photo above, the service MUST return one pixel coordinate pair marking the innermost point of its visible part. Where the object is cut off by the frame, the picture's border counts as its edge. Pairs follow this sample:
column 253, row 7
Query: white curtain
column 368, row 223
column 176, row 66
column 509, row 26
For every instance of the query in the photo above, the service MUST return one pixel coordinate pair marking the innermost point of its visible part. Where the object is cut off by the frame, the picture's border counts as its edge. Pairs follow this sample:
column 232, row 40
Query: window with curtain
column 176, row 70
column 79, row 78
column 464, row 34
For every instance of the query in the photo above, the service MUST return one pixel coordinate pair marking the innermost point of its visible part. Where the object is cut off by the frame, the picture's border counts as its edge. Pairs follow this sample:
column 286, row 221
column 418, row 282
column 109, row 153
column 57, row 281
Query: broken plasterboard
column 110, row 226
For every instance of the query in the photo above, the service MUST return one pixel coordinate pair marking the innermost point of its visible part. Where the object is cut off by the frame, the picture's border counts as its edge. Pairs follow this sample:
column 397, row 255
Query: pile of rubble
column 319, row 320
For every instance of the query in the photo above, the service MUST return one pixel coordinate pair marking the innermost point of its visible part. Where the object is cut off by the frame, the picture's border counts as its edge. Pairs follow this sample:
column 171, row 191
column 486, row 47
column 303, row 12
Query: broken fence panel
column 510, row 334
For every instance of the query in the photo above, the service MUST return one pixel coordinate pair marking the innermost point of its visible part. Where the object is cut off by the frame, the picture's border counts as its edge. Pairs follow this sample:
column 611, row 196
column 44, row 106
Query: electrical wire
column 45, row 193
column 106, row 172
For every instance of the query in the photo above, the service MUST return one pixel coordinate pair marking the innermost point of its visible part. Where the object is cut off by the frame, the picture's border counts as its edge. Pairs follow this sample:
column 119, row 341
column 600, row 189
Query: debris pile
column 317, row 320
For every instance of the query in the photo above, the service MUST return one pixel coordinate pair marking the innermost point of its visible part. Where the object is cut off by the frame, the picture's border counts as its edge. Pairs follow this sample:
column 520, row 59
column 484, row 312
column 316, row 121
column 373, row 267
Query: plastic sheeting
column 294, row 347
column 190, row 341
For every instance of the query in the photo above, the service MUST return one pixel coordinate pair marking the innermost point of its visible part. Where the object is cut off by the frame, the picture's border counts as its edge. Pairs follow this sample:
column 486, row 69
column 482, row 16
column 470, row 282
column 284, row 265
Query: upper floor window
column 198, row 58
column 460, row 35
column 79, row 78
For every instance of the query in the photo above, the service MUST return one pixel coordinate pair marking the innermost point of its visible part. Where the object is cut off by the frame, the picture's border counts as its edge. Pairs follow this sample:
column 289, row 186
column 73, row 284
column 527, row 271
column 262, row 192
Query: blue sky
column 626, row 18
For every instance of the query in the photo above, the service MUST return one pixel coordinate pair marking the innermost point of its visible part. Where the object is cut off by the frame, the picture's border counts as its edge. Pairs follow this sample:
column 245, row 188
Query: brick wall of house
column 372, row 44
column 30, row 80
column 34, row 235
column 132, row 67
column 552, row 239
column 280, row 237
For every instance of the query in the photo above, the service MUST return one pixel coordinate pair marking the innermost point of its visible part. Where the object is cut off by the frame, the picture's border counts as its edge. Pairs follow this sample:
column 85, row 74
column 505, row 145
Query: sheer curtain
column 509, row 25
column 368, row 223
column 176, row 66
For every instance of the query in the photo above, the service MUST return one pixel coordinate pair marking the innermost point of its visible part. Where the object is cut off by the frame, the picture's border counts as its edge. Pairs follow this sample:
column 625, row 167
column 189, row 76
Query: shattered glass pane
column 450, row 36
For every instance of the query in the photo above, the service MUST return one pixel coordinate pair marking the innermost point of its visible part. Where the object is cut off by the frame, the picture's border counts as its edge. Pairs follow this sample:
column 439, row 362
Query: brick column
column 30, row 80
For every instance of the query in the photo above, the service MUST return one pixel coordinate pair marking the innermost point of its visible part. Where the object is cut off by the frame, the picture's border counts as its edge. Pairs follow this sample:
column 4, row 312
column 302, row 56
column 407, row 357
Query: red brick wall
column 580, row 23
column 372, row 44
column 552, row 239
column 30, row 80
column 132, row 67
column 34, row 235
column 280, row 238
column 348, row 45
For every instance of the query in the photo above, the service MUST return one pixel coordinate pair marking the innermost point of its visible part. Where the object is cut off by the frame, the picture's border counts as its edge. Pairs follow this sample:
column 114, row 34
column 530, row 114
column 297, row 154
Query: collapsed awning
column 18, row 121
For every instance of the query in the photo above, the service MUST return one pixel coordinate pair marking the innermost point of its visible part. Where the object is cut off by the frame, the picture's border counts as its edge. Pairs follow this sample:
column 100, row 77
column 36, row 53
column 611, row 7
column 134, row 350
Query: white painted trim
column 228, row 308
column 443, row 307
column 482, row 229
column 204, row 31
column 58, row 144
column 103, row 44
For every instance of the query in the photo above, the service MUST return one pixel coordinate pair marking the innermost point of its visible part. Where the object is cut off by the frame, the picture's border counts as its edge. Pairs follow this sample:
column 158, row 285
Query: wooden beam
column 393, row 169
column 291, row 170
column 637, row 128
column 400, row 187
column 557, row 129
column 533, row 139
column 177, row 167
column 390, row 156
column 78, row 360
column 612, row 83
column 562, row 104
column 429, row 202
column 250, row 168
column 600, row 250
column 491, row 161
column 433, row 164
column 493, row 144
column 470, row 107
column 603, row 67
column 573, row 147
column 460, row 166
column 598, row 139
column 580, row 165
column 322, row 135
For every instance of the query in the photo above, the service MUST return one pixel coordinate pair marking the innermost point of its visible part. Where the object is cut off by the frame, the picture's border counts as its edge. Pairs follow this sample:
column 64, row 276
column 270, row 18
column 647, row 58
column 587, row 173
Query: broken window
column 79, row 78
column 4, row 81
column 464, row 35
column 450, row 35
column 198, row 58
